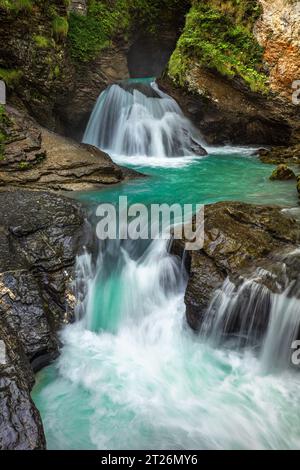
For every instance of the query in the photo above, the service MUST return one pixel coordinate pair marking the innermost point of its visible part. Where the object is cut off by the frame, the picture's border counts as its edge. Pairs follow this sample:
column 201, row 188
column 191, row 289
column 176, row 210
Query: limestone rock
column 277, row 30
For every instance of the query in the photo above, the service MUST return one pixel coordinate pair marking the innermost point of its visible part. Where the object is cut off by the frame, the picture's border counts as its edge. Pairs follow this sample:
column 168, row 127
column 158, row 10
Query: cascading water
column 138, row 119
column 131, row 374
column 251, row 315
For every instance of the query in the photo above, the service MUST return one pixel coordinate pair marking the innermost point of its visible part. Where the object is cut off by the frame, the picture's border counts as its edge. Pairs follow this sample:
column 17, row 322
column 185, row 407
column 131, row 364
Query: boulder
column 282, row 172
column 238, row 238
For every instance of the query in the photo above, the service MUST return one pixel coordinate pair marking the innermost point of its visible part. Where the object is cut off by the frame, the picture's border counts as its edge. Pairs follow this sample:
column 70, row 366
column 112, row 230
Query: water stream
column 131, row 374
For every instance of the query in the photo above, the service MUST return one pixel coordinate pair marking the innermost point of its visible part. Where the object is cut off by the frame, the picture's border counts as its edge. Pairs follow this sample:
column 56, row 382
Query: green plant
column 10, row 76
column 218, row 35
column 16, row 5
column 60, row 27
column 41, row 41
column 23, row 166
column 106, row 20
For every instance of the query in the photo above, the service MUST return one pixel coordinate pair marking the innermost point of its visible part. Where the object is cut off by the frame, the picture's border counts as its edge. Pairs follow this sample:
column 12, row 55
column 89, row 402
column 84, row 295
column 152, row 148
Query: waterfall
column 131, row 374
column 127, row 282
column 251, row 315
column 137, row 119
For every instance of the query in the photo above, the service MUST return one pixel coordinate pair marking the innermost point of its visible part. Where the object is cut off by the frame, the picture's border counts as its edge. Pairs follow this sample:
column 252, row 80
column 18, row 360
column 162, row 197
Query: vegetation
column 16, row 5
column 89, row 34
column 218, row 35
column 41, row 41
column 10, row 76
column 106, row 19
column 60, row 27
column 23, row 166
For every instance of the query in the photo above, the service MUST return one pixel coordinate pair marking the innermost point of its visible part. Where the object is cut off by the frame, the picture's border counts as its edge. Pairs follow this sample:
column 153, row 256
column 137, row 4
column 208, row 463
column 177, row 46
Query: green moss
column 16, row 5
column 56, row 71
column 89, row 34
column 41, row 41
column 23, row 166
column 106, row 20
column 10, row 76
column 218, row 35
column 60, row 27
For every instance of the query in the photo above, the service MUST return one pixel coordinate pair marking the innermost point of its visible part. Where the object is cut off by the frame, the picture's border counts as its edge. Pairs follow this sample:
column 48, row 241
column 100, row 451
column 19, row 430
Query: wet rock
column 282, row 172
column 40, row 236
column 197, row 148
column 238, row 238
column 20, row 423
column 36, row 158
column 281, row 155
column 226, row 113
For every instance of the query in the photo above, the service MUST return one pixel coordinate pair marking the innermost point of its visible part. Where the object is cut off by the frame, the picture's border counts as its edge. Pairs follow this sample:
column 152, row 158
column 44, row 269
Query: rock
column 282, row 172
column 278, row 33
column 224, row 103
column 20, row 423
column 298, row 184
column 78, row 6
column 225, row 113
column 281, row 155
column 36, row 158
column 40, row 236
column 238, row 238
column 197, row 148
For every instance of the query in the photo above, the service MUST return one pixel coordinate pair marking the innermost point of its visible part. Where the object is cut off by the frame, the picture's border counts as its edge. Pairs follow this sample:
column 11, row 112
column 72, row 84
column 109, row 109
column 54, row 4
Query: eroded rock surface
column 40, row 235
column 36, row 158
column 277, row 30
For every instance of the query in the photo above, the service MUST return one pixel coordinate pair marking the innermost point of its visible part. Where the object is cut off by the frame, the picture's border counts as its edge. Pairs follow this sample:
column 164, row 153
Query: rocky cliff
column 233, row 70
column 59, row 55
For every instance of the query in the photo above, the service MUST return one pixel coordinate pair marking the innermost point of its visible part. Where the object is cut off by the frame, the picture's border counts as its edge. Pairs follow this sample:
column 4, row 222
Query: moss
column 218, row 35
column 89, row 34
column 60, row 27
column 23, row 166
column 106, row 20
column 41, row 41
column 16, row 5
column 11, row 77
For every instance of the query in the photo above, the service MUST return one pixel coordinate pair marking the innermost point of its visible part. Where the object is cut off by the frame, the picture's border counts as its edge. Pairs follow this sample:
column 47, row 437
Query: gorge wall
column 233, row 69
column 60, row 55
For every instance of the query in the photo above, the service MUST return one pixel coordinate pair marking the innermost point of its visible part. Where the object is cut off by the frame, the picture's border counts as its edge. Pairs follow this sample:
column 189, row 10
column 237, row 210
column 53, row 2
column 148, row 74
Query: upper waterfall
column 135, row 118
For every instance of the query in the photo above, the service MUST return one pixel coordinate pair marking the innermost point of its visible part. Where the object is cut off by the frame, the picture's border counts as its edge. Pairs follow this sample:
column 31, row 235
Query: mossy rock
column 282, row 172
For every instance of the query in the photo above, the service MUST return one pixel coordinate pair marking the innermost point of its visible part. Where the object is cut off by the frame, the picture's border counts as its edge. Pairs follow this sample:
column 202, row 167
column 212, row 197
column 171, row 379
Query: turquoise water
column 133, row 376
column 230, row 175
